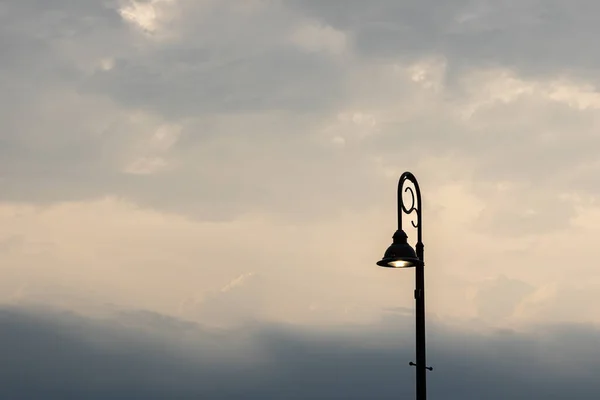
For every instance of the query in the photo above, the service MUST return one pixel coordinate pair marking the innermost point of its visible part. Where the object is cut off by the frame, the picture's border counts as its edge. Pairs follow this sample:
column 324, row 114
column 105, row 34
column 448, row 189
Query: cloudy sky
column 192, row 180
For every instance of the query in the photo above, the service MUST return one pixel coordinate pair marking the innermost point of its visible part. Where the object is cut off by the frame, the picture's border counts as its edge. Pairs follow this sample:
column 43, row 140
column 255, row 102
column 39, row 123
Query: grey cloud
column 524, row 209
column 528, row 139
column 228, row 64
column 64, row 139
column 45, row 38
column 280, row 78
column 49, row 142
column 537, row 40
column 549, row 37
column 574, row 299
column 223, row 60
column 225, row 63
column 498, row 299
column 542, row 148
column 51, row 354
column 534, row 141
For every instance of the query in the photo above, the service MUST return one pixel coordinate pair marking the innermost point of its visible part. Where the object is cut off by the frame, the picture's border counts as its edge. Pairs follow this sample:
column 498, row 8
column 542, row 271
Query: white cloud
column 504, row 86
column 151, row 151
column 152, row 17
column 428, row 73
column 107, row 64
column 237, row 281
column 315, row 37
column 145, row 166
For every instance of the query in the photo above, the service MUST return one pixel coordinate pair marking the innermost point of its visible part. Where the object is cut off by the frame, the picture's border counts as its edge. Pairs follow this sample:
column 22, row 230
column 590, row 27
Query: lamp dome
column 400, row 254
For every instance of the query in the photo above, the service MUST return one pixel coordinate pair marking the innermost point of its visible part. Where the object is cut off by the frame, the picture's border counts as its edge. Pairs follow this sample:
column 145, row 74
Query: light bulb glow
column 400, row 264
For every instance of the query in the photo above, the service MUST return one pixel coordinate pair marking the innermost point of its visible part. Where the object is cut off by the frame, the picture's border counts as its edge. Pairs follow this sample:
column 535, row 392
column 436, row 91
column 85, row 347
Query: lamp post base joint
column 412, row 364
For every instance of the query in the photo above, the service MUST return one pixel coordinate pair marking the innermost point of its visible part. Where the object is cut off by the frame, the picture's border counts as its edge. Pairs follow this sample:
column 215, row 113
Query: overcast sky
column 233, row 164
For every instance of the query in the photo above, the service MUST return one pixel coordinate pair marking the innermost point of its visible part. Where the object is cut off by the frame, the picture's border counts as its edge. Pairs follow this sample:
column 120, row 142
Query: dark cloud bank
column 55, row 355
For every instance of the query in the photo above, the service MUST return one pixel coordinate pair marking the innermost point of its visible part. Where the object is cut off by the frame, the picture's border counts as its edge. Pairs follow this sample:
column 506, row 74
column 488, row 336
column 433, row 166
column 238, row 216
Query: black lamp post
column 401, row 255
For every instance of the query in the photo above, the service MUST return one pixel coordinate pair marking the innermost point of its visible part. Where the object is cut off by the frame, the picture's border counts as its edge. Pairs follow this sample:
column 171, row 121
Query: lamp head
column 400, row 254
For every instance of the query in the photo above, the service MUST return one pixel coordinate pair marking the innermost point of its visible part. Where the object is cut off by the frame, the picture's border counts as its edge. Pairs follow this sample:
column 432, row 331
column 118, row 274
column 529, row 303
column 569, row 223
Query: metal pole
column 415, row 206
column 420, row 326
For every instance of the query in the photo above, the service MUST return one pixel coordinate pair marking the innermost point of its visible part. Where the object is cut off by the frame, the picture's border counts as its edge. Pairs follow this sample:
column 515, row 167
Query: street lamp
column 401, row 255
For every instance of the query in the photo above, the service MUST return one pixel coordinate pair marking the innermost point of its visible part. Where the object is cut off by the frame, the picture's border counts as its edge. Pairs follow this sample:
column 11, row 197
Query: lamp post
column 401, row 255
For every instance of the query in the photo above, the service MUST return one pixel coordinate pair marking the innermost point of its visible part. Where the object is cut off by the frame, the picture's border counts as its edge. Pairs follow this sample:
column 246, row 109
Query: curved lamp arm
column 415, row 206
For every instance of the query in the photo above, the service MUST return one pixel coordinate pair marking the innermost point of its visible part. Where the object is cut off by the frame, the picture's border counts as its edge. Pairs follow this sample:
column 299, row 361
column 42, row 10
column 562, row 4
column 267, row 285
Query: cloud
column 313, row 37
column 532, row 37
column 265, row 95
column 498, row 298
column 147, row 16
column 52, row 354
column 84, row 255
column 191, row 142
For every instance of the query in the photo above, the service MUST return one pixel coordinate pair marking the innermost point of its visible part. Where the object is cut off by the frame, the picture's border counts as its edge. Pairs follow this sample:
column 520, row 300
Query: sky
column 193, row 180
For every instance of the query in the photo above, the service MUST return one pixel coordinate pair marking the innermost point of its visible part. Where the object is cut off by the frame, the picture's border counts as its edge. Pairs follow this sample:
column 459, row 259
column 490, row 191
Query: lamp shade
column 400, row 254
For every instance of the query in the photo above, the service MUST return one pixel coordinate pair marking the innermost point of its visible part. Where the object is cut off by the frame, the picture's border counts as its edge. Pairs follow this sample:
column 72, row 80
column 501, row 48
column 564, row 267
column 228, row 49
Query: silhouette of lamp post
column 401, row 255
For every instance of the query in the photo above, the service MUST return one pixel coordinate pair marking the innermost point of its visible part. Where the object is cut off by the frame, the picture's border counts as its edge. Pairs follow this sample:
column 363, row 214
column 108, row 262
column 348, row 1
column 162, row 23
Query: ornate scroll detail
column 414, row 206
column 413, row 203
